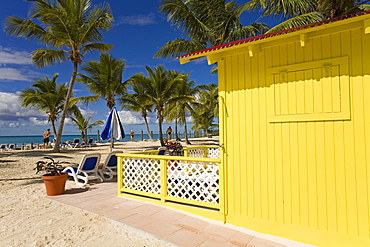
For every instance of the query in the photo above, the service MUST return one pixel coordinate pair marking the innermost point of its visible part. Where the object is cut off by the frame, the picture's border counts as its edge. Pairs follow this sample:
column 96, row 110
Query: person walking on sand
column 46, row 136
column 169, row 133
column 132, row 135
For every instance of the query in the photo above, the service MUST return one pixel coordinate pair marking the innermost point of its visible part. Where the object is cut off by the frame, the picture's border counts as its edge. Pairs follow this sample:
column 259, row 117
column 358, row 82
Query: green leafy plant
column 174, row 148
column 50, row 166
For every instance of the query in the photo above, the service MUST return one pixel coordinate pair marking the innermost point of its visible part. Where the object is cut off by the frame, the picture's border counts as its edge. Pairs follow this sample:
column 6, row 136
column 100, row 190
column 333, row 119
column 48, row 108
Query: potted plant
column 174, row 148
column 54, row 179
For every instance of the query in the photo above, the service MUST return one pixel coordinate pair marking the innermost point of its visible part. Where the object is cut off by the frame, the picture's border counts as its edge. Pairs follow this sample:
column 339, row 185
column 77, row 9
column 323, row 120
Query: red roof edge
column 268, row 35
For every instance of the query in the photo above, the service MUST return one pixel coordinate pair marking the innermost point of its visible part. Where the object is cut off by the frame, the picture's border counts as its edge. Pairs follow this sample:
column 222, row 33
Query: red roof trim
column 268, row 35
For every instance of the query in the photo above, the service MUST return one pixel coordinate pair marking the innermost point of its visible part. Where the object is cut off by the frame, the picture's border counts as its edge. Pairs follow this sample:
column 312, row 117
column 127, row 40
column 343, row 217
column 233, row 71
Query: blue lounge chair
column 90, row 142
column 109, row 167
column 161, row 150
column 75, row 144
column 87, row 169
column 11, row 147
column 3, row 147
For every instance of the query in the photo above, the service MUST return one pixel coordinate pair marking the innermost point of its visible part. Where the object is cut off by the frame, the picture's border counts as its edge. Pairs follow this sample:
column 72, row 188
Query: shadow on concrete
column 77, row 190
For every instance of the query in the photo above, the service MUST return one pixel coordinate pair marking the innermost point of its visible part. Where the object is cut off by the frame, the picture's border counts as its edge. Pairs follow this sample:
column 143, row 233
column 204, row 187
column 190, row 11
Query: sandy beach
column 30, row 218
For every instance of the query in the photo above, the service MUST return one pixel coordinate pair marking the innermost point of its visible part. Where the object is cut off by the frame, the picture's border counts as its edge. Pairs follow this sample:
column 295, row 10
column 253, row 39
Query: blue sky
column 138, row 31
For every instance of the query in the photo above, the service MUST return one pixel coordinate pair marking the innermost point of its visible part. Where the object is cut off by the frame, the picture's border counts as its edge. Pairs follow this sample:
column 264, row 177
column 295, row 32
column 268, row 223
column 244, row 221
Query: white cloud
column 14, row 65
column 13, row 125
column 87, row 112
column 36, row 122
column 128, row 117
column 137, row 20
column 11, row 74
column 189, row 119
column 10, row 56
column 10, row 108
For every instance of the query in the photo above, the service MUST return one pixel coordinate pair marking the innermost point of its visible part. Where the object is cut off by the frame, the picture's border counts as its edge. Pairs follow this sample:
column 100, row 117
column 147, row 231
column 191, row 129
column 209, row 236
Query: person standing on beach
column 46, row 136
column 169, row 133
column 132, row 134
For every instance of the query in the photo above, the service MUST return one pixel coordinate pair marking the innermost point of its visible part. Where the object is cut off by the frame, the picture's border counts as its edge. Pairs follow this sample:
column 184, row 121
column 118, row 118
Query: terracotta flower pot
column 55, row 185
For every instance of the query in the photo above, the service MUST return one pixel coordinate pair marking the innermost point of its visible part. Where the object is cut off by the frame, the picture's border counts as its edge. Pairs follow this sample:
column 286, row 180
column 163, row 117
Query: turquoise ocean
column 19, row 140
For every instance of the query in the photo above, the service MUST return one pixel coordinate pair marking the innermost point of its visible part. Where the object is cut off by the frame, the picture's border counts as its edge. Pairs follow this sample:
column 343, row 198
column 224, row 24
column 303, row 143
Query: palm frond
column 180, row 14
column 84, row 99
column 179, row 47
column 248, row 31
column 24, row 28
column 288, row 8
column 297, row 21
column 96, row 47
column 44, row 57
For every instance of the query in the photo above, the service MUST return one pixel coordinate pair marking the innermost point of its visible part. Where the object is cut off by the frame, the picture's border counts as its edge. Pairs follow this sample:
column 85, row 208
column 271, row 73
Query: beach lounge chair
column 62, row 145
column 90, row 142
column 86, row 170
column 11, row 147
column 3, row 147
column 109, row 167
column 161, row 150
column 75, row 144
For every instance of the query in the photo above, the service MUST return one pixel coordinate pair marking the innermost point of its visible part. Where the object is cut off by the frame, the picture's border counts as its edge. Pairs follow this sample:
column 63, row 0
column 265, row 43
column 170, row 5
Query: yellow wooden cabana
column 295, row 131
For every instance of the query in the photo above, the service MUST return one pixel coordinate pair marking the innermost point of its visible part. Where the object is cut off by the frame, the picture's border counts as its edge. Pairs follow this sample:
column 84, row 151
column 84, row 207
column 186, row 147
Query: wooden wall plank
column 359, row 130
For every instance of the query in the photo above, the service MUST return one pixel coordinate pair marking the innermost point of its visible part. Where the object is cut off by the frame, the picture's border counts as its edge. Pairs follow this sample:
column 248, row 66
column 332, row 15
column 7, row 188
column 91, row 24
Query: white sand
column 29, row 218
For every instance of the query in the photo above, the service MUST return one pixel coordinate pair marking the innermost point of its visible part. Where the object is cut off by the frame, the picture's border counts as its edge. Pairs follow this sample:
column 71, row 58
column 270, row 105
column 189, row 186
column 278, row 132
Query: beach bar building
column 294, row 156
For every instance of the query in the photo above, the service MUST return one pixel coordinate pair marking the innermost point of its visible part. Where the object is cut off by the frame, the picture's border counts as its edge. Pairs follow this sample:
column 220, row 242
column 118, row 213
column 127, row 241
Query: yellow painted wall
column 296, row 132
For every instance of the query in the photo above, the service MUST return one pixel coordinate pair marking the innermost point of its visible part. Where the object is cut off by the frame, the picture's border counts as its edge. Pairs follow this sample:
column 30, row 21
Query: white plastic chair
column 87, row 169
column 110, row 165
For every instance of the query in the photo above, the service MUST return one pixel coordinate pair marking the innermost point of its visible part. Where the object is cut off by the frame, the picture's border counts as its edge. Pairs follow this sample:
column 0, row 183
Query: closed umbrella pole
column 113, row 129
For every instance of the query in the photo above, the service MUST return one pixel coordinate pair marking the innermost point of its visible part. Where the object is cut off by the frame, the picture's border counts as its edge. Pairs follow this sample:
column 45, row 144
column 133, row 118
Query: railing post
column 163, row 180
column 119, row 174
column 186, row 152
column 205, row 152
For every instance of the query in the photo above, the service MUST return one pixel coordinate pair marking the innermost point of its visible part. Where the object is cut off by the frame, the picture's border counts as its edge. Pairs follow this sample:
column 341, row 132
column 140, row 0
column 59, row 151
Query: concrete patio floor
column 173, row 226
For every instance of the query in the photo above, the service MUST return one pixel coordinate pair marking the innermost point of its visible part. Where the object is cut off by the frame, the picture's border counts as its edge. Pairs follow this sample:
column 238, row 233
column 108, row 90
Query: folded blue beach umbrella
column 113, row 128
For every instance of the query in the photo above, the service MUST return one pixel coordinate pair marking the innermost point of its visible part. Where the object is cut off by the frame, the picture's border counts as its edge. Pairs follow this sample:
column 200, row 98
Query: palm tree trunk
column 176, row 130
column 65, row 108
column 147, row 128
column 83, row 136
column 206, row 131
column 54, row 129
column 186, row 132
column 160, row 120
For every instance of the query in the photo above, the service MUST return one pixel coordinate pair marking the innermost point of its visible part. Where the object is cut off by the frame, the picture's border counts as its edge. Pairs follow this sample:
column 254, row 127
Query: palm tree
column 159, row 88
column 206, row 109
column 205, row 23
column 71, row 27
column 177, row 110
column 297, row 13
column 138, row 102
column 83, row 123
column 104, row 78
column 46, row 95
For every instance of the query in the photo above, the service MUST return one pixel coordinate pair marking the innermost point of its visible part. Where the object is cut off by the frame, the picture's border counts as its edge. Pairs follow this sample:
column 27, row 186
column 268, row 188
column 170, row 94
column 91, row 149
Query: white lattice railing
column 203, row 151
column 210, row 151
column 189, row 180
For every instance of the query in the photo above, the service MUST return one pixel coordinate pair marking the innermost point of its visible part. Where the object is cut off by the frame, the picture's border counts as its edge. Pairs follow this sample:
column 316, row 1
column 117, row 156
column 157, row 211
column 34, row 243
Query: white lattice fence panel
column 196, row 181
column 213, row 153
column 196, row 152
column 142, row 175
